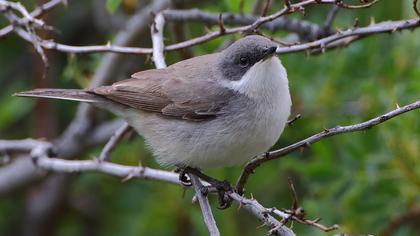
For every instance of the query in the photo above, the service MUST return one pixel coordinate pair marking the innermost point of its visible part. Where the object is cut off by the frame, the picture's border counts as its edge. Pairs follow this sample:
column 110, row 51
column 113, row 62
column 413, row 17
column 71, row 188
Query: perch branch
column 145, row 173
column 205, row 206
column 257, row 161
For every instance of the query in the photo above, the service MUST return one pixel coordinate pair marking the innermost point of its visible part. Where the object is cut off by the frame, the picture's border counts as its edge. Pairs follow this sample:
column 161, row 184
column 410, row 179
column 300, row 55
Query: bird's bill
column 271, row 51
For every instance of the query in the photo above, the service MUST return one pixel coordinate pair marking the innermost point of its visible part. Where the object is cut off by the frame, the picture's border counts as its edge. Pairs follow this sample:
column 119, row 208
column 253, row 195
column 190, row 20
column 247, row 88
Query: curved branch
column 256, row 162
column 416, row 10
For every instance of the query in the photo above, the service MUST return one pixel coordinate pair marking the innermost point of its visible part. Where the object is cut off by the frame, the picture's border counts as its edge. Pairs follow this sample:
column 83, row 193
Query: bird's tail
column 65, row 94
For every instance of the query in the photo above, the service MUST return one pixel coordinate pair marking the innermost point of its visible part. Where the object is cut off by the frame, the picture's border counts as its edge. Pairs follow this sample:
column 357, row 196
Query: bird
column 210, row 111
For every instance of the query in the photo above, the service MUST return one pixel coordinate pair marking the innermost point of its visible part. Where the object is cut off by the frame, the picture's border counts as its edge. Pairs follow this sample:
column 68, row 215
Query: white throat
column 263, row 80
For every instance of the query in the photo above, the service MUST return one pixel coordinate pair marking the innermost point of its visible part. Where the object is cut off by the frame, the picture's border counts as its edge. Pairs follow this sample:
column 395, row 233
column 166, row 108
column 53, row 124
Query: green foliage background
column 360, row 181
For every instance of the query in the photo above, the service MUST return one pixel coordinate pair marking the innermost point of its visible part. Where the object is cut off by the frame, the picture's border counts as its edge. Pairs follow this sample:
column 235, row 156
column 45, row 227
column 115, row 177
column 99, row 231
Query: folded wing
column 165, row 92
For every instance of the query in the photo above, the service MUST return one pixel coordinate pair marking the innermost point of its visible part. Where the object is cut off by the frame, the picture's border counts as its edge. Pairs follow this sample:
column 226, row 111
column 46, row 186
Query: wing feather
column 168, row 92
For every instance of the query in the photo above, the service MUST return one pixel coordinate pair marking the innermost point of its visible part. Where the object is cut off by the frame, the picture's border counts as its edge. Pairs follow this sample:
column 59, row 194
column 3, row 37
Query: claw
column 222, row 187
column 224, row 201
column 183, row 177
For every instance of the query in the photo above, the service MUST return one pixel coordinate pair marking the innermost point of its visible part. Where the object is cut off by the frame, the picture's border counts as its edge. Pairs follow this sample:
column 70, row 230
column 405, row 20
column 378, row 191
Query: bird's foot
column 183, row 177
column 223, row 188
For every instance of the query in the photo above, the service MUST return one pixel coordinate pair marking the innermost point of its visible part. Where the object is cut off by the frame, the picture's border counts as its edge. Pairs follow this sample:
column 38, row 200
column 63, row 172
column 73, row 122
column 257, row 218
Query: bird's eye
column 243, row 61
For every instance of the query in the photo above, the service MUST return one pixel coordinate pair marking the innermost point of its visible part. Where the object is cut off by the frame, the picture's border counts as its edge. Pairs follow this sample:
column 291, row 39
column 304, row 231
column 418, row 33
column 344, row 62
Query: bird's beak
column 269, row 52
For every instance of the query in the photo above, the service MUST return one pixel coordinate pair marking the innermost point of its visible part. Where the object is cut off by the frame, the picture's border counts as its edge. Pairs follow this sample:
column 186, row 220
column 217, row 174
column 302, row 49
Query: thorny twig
column 39, row 11
column 256, row 162
column 297, row 213
column 27, row 23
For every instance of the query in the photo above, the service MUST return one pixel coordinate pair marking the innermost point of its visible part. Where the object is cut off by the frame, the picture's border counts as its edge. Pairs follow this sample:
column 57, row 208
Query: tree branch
column 145, row 173
column 49, row 44
column 306, row 30
column 343, row 38
column 205, row 206
column 263, row 214
column 257, row 161
column 39, row 11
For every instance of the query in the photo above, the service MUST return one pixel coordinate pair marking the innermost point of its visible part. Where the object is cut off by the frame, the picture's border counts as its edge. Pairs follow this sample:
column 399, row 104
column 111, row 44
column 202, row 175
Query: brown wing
column 167, row 92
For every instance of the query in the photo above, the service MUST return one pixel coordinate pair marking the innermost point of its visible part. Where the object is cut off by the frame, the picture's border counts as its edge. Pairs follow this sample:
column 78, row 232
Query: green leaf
column 112, row 5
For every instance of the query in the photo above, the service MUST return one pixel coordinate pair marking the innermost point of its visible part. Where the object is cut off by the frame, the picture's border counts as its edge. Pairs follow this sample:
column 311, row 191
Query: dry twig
column 416, row 10
column 205, row 206
column 113, row 141
column 39, row 11
column 276, row 154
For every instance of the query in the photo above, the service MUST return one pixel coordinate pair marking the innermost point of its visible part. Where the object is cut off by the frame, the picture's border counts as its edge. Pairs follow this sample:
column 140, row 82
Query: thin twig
column 205, row 206
column 256, row 162
column 416, row 10
column 27, row 23
column 113, row 141
column 39, row 11
column 265, row 9
column 294, row 119
column 341, row 4
column 410, row 216
column 331, row 16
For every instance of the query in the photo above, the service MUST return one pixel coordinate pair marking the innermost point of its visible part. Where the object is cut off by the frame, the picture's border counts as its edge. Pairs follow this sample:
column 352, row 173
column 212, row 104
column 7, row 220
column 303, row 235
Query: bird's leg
column 222, row 187
column 183, row 177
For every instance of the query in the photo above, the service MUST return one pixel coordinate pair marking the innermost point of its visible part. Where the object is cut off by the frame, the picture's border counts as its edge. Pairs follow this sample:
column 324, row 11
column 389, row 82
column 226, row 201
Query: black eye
column 243, row 61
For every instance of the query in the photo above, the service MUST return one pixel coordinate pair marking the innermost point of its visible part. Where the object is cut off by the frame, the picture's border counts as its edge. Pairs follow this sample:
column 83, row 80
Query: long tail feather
column 65, row 94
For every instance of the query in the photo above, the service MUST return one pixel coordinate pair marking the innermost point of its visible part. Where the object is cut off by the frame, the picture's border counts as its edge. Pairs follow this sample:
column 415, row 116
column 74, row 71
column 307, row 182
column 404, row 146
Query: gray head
column 239, row 57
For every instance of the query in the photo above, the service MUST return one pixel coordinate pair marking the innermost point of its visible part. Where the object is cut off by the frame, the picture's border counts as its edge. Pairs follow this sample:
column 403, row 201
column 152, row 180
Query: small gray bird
column 209, row 111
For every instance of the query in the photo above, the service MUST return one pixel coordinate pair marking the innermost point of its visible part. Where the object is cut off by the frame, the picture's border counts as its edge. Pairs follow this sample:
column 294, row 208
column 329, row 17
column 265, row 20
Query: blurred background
column 367, row 182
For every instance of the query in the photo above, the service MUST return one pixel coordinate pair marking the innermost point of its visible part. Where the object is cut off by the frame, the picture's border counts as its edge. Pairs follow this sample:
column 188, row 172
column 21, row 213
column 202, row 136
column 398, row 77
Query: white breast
column 266, row 84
